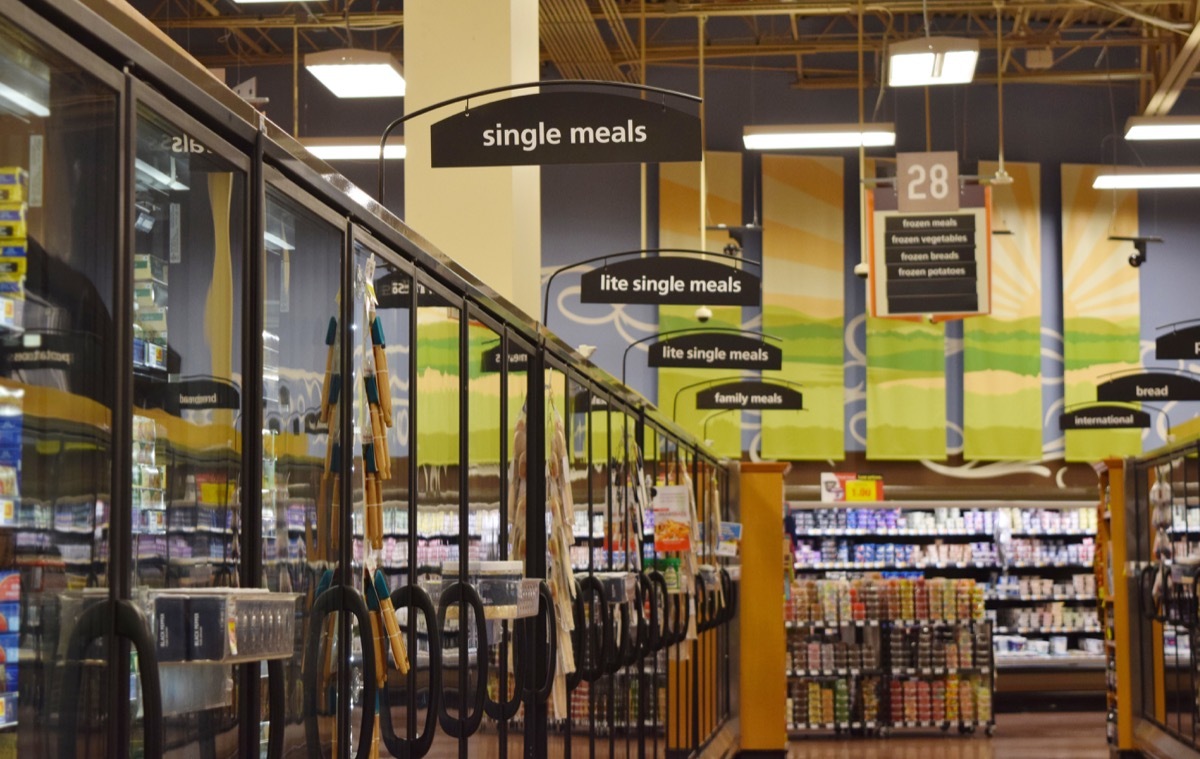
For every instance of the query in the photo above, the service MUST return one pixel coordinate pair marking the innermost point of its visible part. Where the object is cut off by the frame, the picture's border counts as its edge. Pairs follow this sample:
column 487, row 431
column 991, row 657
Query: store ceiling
column 1153, row 44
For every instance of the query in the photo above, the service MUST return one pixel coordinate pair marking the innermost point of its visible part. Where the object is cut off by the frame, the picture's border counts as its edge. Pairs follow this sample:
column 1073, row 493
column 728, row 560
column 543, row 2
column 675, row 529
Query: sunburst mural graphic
column 1100, row 303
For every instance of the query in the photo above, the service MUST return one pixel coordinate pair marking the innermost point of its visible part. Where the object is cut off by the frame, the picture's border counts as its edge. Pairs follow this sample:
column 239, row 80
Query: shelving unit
column 873, row 655
column 1033, row 560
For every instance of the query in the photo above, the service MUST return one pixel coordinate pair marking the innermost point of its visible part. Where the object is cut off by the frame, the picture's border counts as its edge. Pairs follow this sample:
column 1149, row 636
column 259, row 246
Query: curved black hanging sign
column 1104, row 417
column 197, row 394
column 715, row 350
column 751, row 395
column 518, row 361
column 392, row 291
column 1149, row 386
column 1182, row 343
column 671, row 280
column 565, row 127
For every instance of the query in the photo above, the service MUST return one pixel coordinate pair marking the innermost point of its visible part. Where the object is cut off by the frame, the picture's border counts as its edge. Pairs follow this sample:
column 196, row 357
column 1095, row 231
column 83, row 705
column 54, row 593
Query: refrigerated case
column 1158, row 674
column 277, row 478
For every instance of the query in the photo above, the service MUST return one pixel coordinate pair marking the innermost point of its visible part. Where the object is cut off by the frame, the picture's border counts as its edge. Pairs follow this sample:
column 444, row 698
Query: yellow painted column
column 763, row 681
column 487, row 219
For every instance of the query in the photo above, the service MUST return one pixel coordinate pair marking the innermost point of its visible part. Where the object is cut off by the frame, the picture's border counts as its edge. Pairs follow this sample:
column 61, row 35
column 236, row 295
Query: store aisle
column 1042, row 735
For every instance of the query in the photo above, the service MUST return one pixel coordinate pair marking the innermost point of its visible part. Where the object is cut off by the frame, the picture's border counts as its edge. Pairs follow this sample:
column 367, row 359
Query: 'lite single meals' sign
column 715, row 350
column 673, row 280
column 565, row 127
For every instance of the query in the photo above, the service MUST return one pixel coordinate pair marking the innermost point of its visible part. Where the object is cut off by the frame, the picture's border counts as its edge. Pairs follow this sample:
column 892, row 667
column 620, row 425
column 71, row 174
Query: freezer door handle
column 657, row 639
column 579, row 638
column 464, row 727
column 548, row 623
column 638, row 624
column 129, row 624
column 338, row 598
column 596, row 641
column 277, row 705
column 729, row 590
column 702, row 615
column 419, row 745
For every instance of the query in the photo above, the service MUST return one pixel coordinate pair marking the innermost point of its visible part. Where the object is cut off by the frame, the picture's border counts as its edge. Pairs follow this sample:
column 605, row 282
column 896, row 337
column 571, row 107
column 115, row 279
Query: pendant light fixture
column 930, row 60
column 357, row 73
column 817, row 136
column 1162, row 128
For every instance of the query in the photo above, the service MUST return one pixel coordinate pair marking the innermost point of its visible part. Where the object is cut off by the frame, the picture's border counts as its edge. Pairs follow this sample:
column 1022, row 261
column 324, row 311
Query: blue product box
column 10, row 616
column 10, row 677
column 10, row 642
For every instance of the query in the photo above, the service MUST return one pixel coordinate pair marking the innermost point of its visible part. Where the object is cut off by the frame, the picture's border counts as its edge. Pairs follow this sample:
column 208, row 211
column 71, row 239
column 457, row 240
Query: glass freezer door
column 59, row 143
column 302, row 401
column 188, row 248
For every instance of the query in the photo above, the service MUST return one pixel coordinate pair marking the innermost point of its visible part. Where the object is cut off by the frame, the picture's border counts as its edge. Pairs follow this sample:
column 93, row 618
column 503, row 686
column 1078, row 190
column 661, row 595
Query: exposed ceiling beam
column 1177, row 76
column 1145, row 18
column 212, row 11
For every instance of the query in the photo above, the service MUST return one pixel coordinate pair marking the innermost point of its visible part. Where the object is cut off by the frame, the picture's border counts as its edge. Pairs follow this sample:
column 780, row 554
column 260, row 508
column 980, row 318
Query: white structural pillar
column 488, row 219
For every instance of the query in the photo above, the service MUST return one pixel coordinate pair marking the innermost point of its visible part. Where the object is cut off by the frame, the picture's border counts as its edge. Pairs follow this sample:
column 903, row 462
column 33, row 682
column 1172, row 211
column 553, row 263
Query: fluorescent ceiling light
column 158, row 176
column 354, row 148
column 24, row 82
column 273, row 239
column 23, row 102
column 1149, row 178
column 803, row 136
column 357, row 73
column 1163, row 128
column 932, row 60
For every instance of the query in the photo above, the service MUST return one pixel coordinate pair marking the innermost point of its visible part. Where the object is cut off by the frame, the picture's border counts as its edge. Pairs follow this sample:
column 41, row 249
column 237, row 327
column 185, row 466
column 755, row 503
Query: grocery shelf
column 830, row 624
column 1049, row 597
column 902, row 672
column 1049, row 630
column 1050, row 661
column 866, row 566
column 1049, row 564
column 834, row 673
column 799, row 728
column 898, row 532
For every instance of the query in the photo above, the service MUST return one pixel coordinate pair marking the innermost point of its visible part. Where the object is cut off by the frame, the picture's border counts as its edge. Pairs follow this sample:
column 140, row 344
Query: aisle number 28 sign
column 927, row 182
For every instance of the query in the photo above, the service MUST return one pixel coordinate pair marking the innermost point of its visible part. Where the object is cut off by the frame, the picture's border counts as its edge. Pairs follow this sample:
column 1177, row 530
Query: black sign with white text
column 671, row 280
column 715, row 350
column 750, row 395
column 1182, row 343
column 1104, row 418
column 518, row 361
column 931, row 263
column 196, row 394
column 1149, row 386
column 924, row 280
column 565, row 127
column 393, row 291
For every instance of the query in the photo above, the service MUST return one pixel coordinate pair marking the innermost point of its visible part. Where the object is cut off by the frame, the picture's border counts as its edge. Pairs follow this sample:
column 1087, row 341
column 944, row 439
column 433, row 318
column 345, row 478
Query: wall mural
column 906, row 390
column 803, row 300
column 1101, row 303
column 679, row 225
column 1002, row 388
column 930, row 405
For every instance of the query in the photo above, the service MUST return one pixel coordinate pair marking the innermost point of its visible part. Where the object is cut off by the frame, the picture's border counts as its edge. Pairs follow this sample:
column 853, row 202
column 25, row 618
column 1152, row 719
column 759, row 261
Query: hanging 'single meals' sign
column 715, row 350
column 565, row 127
column 670, row 280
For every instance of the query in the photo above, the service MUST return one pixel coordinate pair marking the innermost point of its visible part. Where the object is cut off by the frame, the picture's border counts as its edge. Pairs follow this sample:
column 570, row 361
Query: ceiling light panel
column 818, row 136
column 357, row 73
